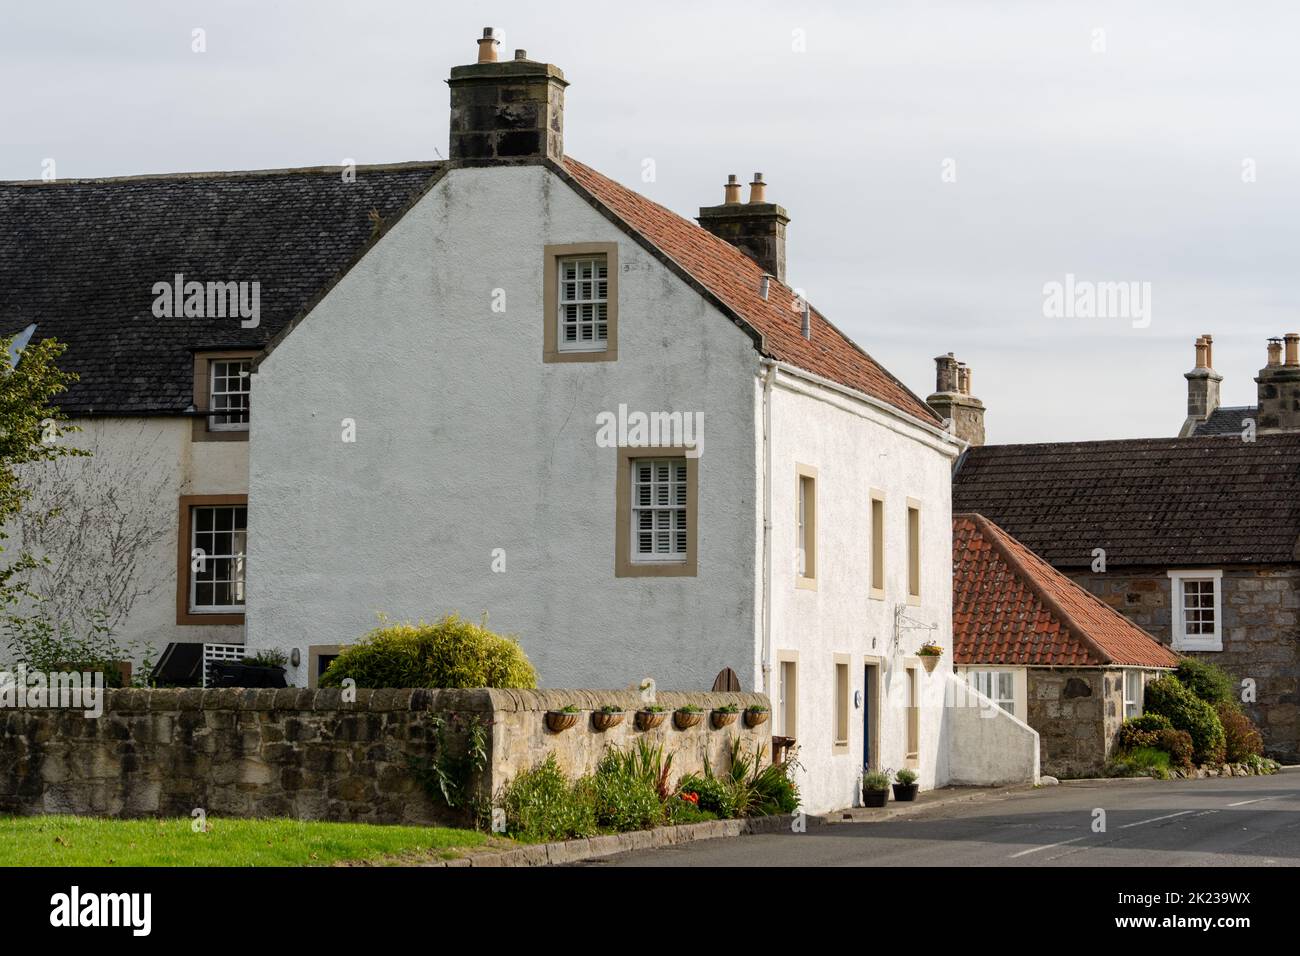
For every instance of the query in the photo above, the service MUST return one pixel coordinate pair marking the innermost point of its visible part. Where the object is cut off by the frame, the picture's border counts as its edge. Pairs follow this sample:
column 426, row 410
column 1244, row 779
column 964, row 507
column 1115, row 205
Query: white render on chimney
column 466, row 442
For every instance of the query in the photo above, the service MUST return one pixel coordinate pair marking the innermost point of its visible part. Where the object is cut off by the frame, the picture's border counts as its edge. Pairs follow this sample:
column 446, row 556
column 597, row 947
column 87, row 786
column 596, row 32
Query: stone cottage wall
column 308, row 754
column 1077, row 713
column 1261, row 637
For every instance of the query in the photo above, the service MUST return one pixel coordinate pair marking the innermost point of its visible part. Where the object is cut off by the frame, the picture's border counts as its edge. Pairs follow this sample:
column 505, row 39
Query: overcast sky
column 1115, row 156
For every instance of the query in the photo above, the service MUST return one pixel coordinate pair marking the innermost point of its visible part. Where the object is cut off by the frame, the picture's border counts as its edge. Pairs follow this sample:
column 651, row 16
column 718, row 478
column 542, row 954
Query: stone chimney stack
column 1202, row 384
column 756, row 228
column 1279, row 387
column 508, row 110
column 952, row 400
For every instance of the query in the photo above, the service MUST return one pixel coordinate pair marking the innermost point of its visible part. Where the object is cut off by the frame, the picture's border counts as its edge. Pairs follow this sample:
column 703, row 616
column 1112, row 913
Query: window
column 913, row 715
column 228, row 394
column 211, row 557
column 913, row 552
column 878, row 545
column 222, row 386
column 580, row 308
column 1133, row 686
column 1197, row 601
column 319, row 658
column 656, row 530
column 805, row 554
column 841, row 741
column 997, row 686
column 787, row 694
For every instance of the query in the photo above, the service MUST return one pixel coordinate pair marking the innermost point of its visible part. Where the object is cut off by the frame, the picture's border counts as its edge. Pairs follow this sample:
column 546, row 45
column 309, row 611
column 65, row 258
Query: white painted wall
column 987, row 746
column 856, row 448
column 155, row 456
column 467, row 442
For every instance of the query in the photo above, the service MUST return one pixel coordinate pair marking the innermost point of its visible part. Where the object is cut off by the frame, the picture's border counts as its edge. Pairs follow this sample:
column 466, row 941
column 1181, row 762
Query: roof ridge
column 999, row 540
column 222, row 174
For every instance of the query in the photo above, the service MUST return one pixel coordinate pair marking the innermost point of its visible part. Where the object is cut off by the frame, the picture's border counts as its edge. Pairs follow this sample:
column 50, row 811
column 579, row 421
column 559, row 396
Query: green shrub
column 1241, row 738
column 1262, row 765
column 1210, row 682
column 775, row 791
column 1178, row 744
column 451, row 652
column 1168, row 696
column 715, row 795
column 906, row 777
column 1140, row 762
column 627, row 796
column 1141, row 731
column 681, row 811
column 540, row 805
column 876, row 780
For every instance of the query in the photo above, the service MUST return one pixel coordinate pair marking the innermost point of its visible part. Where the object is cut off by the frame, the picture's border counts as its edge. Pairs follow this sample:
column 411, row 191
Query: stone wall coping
column 133, row 700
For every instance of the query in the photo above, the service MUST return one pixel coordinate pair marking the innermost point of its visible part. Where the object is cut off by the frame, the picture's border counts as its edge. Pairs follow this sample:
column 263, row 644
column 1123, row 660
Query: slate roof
column 80, row 258
column 733, row 277
column 1160, row 502
column 1226, row 421
column 1010, row 607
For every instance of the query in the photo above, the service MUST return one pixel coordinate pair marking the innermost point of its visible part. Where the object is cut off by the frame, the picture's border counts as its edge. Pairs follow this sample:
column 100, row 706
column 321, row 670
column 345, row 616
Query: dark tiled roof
column 80, row 259
column 1226, row 421
column 1162, row 502
column 1011, row 607
column 733, row 278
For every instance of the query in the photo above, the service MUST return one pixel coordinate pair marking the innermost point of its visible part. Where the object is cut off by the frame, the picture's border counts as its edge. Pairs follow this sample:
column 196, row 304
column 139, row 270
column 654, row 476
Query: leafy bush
column 627, row 790
column 1210, row 682
column 681, row 809
column 1178, row 744
column 1168, row 696
column 1142, row 731
column 268, row 657
column 875, row 780
column 451, row 652
column 1262, row 765
column 906, row 777
column 1241, row 737
column 775, row 791
column 541, row 805
column 715, row 796
column 1140, row 762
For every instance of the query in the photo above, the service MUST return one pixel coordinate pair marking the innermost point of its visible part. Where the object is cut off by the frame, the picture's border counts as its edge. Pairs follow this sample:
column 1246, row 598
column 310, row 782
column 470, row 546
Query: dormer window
column 580, row 303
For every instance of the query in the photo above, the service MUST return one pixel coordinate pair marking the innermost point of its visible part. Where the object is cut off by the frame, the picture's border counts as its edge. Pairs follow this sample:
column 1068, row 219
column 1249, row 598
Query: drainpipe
column 769, row 375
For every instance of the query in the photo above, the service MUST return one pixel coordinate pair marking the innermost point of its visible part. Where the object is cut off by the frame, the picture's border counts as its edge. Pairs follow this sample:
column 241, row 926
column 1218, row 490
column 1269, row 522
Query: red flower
column 692, row 798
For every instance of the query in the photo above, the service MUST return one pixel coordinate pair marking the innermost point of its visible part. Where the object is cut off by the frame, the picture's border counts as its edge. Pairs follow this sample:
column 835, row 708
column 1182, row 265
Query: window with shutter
column 659, row 509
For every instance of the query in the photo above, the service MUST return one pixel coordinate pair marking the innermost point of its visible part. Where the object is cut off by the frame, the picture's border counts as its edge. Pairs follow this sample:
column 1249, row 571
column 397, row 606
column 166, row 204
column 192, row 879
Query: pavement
column 1237, row 821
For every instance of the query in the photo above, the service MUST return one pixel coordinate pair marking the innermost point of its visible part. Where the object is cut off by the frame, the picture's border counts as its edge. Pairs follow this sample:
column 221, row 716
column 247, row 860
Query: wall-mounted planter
column 722, row 718
column 649, row 719
column 602, row 720
column 755, row 718
column 686, row 719
column 929, row 662
column 558, row 721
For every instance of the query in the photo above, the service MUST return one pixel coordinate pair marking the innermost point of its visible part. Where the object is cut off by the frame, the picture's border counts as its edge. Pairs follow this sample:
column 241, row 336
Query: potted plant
column 558, row 721
column 687, row 716
column 755, row 714
column 724, row 715
column 875, row 788
column 905, row 785
column 265, row 669
column 930, row 652
column 650, row 716
column 608, row 716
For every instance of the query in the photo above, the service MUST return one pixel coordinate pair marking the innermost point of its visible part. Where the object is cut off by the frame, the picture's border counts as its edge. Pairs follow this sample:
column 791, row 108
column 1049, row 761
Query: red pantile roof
column 1011, row 607
column 733, row 278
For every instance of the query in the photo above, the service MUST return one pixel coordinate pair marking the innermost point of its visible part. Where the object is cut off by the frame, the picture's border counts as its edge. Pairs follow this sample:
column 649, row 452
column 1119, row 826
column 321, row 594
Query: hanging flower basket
column 723, row 718
column 930, row 654
column 558, row 721
column 649, row 719
column 755, row 717
column 602, row 720
column 684, row 719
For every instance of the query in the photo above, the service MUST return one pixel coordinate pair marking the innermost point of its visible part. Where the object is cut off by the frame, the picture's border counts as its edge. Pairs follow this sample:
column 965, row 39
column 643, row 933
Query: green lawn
column 94, row 841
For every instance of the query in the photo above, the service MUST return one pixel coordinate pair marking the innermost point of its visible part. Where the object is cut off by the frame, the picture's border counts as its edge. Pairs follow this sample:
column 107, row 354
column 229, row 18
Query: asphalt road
column 1240, row 821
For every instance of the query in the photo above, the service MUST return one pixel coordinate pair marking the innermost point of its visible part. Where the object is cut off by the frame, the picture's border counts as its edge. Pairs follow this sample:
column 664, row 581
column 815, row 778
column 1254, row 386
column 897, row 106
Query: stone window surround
column 806, row 570
column 792, row 706
column 202, row 366
column 624, row 566
column 314, row 653
column 843, row 715
column 912, row 712
column 184, row 615
column 878, row 546
column 1178, row 638
column 551, row 256
column 914, row 564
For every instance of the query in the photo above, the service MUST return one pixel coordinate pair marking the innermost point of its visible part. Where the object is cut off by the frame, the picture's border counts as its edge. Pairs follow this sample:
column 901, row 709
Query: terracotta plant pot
column 755, row 718
column 906, row 792
column 557, row 721
column 649, row 719
column 685, row 719
column 929, row 662
column 875, row 798
column 722, row 718
column 603, row 720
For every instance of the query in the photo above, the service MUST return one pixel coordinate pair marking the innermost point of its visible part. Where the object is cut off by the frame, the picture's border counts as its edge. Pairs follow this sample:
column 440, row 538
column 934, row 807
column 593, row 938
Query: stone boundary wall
column 308, row 754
